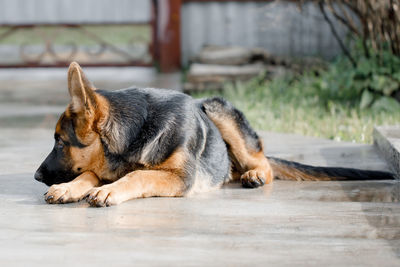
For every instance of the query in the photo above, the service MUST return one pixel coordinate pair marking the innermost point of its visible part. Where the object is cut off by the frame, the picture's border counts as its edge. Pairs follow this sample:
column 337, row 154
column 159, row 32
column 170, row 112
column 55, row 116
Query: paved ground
column 49, row 86
column 283, row 224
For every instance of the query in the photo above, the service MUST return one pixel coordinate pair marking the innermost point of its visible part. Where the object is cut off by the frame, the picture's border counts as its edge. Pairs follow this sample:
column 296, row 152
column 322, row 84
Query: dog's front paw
column 60, row 194
column 102, row 196
column 253, row 179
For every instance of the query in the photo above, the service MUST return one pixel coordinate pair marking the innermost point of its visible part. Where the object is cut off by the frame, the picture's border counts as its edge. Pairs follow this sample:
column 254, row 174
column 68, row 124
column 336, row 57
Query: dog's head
column 77, row 145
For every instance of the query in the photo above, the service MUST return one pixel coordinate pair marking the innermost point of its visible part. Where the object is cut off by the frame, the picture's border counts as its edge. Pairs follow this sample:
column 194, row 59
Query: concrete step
column 48, row 86
column 387, row 139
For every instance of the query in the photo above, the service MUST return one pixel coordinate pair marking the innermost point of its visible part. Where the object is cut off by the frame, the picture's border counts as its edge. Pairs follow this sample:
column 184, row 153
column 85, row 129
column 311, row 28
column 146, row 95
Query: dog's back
column 153, row 123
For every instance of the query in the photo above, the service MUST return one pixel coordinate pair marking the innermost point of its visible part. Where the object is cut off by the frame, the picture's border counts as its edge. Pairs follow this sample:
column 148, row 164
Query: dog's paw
column 253, row 179
column 60, row 194
column 102, row 196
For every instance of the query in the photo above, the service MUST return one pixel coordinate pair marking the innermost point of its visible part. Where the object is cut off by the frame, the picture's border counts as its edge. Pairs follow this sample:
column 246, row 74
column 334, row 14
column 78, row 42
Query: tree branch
column 347, row 21
column 335, row 33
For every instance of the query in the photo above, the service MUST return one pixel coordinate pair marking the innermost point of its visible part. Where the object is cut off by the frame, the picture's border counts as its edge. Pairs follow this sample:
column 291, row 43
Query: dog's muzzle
column 38, row 176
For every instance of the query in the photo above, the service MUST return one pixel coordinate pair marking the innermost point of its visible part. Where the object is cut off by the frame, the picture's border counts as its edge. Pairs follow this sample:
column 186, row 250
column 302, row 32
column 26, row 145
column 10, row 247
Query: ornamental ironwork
column 91, row 45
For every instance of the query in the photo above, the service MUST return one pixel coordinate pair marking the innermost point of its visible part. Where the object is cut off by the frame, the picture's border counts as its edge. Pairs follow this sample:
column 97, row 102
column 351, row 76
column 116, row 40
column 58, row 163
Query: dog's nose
column 39, row 176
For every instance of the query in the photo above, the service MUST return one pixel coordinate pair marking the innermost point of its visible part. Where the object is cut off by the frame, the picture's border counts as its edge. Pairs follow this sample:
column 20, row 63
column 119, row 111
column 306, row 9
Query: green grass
column 294, row 106
column 115, row 34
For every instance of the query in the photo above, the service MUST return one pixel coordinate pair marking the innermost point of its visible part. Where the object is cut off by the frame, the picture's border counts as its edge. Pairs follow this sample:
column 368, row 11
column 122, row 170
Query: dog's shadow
column 22, row 189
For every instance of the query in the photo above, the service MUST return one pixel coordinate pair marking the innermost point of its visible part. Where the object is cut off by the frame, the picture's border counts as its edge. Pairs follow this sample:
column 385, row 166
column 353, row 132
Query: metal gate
column 48, row 33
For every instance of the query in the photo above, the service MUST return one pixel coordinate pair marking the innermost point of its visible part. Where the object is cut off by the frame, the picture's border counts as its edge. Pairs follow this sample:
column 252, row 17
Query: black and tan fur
column 132, row 143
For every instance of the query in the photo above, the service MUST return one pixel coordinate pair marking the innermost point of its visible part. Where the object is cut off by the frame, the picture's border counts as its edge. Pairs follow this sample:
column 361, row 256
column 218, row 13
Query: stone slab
column 387, row 139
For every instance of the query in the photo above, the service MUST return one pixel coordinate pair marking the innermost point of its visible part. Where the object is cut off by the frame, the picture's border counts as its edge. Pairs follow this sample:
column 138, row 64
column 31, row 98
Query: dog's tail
column 289, row 170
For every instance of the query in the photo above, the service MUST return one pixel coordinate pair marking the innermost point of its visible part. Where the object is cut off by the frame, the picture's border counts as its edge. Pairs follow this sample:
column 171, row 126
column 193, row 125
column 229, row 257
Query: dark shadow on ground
column 16, row 187
column 377, row 198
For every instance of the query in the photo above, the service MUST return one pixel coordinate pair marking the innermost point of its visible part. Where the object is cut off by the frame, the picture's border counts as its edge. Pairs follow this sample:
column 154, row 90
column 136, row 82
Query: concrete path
column 49, row 85
column 283, row 224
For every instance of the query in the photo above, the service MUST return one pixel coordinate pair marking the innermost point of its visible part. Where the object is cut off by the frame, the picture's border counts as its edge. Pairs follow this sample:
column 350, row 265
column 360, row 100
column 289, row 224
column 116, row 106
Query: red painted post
column 167, row 34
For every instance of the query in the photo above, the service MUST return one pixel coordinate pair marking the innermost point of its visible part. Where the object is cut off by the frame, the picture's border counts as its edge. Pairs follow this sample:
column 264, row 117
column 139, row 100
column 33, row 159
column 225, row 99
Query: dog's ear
column 80, row 89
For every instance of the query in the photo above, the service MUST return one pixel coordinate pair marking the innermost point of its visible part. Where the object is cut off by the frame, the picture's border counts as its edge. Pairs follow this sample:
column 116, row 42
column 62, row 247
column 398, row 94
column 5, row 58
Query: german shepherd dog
column 115, row 146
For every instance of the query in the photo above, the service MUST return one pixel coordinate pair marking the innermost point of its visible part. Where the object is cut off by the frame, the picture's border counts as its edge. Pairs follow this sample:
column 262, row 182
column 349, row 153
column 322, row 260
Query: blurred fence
column 74, row 11
column 142, row 32
column 94, row 32
column 278, row 26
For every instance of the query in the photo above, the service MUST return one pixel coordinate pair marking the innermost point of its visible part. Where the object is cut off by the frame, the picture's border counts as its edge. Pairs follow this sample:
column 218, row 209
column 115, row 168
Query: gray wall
column 74, row 11
column 279, row 27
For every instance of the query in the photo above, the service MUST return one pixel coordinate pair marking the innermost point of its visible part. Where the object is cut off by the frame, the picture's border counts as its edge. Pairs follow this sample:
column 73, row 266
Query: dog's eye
column 60, row 144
